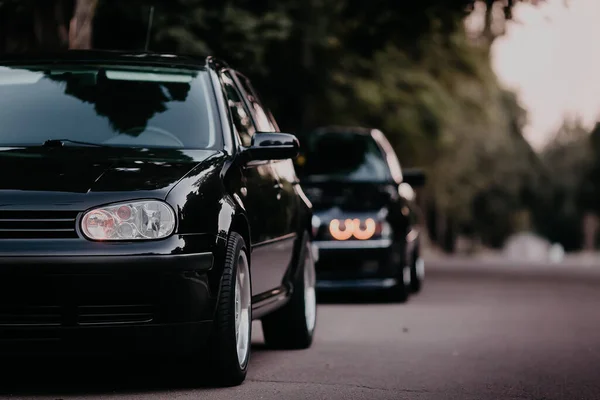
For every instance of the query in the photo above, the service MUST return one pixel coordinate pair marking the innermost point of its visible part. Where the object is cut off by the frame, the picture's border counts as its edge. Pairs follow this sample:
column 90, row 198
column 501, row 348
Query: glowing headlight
column 341, row 230
column 361, row 230
column 367, row 232
column 138, row 220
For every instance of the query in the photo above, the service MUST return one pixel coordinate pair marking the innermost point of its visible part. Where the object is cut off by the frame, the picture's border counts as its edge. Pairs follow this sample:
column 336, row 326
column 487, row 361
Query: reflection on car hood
column 68, row 174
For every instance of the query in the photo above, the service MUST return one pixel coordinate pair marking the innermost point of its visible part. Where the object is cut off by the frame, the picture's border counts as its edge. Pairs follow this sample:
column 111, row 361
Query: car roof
column 113, row 57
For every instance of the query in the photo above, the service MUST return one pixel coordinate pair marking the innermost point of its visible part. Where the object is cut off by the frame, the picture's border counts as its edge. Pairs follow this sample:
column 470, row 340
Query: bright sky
column 551, row 57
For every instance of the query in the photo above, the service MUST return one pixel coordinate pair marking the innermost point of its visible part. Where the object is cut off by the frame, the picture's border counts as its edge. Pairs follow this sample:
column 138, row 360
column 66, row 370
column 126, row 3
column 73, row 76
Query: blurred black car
column 365, row 219
column 148, row 204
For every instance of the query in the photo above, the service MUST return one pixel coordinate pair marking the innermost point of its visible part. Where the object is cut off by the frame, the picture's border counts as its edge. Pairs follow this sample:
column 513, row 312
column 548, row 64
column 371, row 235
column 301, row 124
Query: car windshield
column 106, row 105
column 341, row 156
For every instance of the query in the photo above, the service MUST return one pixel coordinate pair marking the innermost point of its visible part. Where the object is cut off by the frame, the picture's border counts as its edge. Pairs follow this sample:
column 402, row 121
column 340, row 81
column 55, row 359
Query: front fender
column 203, row 206
column 305, row 211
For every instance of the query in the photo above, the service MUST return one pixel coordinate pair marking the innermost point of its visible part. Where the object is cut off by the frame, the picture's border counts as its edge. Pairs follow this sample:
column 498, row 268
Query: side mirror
column 271, row 146
column 414, row 177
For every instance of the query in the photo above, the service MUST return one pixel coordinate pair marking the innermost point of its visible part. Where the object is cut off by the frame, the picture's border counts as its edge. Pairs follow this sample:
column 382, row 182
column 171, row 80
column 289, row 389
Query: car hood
column 63, row 177
column 348, row 196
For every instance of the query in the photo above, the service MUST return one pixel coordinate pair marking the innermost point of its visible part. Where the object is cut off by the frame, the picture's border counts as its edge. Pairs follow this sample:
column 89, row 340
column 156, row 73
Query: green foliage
column 405, row 67
column 570, row 162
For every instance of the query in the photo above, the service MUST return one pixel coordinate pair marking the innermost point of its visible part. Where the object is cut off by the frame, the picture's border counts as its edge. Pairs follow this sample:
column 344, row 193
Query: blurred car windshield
column 106, row 105
column 341, row 156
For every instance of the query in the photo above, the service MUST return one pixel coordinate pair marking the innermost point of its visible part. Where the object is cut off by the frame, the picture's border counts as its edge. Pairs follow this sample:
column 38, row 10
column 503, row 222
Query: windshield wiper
column 61, row 143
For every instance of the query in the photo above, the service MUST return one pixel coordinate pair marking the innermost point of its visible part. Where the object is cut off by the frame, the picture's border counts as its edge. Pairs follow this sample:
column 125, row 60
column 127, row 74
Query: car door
column 286, row 211
column 259, row 195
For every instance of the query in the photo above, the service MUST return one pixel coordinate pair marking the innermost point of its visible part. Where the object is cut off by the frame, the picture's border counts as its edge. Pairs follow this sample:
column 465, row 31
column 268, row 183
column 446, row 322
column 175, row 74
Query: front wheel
column 400, row 270
column 417, row 272
column 229, row 347
column 401, row 291
column 293, row 326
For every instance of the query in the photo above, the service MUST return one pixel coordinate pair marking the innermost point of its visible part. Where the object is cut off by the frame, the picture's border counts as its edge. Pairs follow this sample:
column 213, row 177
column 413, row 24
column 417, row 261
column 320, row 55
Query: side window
column 389, row 154
column 239, row 113
column 260, row 114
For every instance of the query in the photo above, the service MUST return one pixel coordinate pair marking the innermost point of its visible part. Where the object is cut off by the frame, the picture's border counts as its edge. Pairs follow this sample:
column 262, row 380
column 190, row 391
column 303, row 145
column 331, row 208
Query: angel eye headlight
column 136, row 220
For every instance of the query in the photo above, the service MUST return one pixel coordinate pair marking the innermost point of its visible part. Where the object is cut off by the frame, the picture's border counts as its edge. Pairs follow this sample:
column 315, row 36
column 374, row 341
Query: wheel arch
column 231, row 218
column 240, row 224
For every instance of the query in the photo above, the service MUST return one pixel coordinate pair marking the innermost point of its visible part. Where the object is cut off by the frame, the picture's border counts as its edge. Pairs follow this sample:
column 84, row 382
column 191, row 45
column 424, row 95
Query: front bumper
column 353, row 245
column 356, row 284
column 155, row 339
column 358, row 265
column 99, row 297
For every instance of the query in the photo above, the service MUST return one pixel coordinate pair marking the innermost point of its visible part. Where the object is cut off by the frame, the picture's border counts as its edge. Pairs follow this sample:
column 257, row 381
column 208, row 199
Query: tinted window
column 258, row 112
column 239, row 113
column 341, row 156
column 115, row 106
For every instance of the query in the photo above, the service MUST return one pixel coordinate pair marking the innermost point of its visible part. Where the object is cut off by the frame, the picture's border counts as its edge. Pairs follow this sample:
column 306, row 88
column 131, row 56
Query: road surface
column 476, row 332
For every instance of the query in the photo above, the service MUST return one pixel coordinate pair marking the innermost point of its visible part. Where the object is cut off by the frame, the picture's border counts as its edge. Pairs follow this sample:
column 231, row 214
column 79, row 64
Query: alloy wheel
column 242, row 309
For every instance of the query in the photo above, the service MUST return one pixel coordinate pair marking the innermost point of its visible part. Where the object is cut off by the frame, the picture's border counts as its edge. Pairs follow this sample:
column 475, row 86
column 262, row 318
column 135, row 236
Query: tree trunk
column 81, row 26
column 440, row 228
column 590, row 230
column 49, row 25
column 450, row 236
column 488, row 34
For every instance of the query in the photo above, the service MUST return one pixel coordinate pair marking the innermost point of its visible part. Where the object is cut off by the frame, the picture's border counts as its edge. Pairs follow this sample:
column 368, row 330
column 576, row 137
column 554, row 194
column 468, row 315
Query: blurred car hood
column 348, row 195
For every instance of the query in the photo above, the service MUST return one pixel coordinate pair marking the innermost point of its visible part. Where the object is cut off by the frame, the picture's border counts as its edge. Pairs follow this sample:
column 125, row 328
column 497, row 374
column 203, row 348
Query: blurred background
column 496, row 100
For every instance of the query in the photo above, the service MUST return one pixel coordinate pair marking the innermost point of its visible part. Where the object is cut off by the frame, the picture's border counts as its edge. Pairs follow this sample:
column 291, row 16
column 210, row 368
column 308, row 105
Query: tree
column 49, row 25
column 81, row 25
column 570, row 160
column 406, row 67
column 488, row 18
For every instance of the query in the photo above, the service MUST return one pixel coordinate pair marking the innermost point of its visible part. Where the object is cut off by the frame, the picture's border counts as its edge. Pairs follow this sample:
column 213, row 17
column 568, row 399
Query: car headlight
column 135, row 220
column 360, row 228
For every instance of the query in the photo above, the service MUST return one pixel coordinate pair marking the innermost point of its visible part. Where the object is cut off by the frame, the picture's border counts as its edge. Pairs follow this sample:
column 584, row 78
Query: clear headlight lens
column 360, row 229
column 136, row 220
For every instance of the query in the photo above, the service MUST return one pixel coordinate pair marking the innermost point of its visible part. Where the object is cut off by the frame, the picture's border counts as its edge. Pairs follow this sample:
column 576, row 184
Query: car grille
column 37, row 224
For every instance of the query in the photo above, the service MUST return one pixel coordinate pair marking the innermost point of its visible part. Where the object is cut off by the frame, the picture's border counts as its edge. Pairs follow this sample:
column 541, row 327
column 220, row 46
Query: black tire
column 224, row 367
column 288, row 327
column 401, row 292
column 416, row 278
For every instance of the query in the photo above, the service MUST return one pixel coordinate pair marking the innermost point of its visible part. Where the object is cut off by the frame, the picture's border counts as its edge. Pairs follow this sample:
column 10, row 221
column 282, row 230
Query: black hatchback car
column 148, row 203
column 366, row 220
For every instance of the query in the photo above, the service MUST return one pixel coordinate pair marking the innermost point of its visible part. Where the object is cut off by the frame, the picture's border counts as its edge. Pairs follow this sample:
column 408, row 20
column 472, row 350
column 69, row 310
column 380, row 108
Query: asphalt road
column 475, row 332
